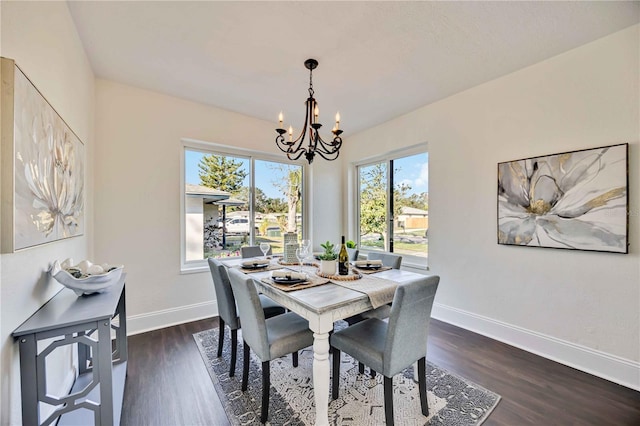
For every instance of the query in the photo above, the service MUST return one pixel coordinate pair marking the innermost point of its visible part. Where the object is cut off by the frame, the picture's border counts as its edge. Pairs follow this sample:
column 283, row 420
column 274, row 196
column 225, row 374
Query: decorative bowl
column 86, row 284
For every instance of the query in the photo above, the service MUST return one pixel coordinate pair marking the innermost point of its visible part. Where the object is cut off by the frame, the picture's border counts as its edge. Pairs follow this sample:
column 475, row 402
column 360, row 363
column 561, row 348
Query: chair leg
column 360, row 368
column 245, row 367
column 372, row 372
column 266, row 385
column 234, row 352
column 294, row 357
column 335, row 375
column 422, row 385
column 221, row 338
column 388, row 400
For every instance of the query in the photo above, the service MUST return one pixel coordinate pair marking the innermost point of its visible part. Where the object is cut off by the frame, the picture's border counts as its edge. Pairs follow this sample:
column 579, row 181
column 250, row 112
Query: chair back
column 252, row 251
column 254, row 329
column 224, row 294
column 391, row 260
column 353, row 254
column 406, row 340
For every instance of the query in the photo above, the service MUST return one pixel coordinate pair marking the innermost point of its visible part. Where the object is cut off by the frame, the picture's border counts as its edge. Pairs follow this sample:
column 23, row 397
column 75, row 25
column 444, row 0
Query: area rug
column 452, row 400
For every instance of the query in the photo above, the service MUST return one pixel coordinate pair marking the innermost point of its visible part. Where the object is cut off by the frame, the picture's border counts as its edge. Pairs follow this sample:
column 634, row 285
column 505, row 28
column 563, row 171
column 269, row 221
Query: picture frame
column 576, row 200
column 42, row 182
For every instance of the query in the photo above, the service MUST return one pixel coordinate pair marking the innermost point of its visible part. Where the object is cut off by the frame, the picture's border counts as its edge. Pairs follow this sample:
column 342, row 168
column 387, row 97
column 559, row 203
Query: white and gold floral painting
column 574, row 200
column 48, row 168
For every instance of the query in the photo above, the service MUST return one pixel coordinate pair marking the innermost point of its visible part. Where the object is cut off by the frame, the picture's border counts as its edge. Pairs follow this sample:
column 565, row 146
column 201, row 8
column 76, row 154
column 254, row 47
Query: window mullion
column 390, row 218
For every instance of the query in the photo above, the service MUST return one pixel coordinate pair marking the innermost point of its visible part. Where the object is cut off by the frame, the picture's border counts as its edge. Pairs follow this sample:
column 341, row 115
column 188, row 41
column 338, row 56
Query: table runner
column 379, row 290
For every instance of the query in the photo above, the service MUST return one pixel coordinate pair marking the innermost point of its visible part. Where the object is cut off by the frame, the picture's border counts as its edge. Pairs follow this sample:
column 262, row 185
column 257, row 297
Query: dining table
column 323, row 305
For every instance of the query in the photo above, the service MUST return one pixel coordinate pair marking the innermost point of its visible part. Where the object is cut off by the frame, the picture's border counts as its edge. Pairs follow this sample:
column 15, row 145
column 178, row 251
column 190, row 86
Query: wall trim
column 607, row 366
column 149, row 321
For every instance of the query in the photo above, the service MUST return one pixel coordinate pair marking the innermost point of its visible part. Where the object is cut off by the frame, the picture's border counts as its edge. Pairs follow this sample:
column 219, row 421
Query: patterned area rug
column 452, row 400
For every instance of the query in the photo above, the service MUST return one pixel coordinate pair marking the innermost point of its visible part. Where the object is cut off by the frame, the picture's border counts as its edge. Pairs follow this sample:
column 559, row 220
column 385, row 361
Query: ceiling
column 378, row 60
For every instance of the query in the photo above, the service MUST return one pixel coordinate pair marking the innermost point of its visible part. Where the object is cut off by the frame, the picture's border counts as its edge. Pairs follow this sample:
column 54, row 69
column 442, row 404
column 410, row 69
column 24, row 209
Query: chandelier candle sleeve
column 309, row 142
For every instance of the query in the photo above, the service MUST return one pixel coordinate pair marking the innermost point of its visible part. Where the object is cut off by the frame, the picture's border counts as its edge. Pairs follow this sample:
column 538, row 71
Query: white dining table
column 322, row 306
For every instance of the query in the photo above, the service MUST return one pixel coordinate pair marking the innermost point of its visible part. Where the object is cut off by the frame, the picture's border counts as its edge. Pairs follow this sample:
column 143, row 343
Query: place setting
column 289, row 280
column 369, row 266
column 259, row 264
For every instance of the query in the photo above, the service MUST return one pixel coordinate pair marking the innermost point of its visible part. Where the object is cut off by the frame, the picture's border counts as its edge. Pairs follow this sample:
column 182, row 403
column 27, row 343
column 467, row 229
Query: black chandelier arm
column 298, row 152
column 328, row 147
column 328, row 155
column 280, row 143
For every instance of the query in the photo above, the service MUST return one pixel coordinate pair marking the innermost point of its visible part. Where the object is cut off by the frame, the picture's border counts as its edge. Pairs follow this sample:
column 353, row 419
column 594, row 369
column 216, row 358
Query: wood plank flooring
column 167, row 382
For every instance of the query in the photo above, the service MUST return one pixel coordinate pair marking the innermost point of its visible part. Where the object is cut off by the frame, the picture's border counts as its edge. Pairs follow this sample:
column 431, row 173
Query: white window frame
column 384, row 158
column 201, row 265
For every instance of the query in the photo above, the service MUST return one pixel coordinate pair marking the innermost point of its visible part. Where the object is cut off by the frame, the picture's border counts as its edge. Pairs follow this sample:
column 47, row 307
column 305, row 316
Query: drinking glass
column 301, row 254
column 265, row 248
column 306, row 244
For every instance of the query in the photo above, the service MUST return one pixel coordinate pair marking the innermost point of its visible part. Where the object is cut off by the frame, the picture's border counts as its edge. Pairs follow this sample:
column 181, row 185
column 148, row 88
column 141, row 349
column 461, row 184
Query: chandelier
column 295, row 148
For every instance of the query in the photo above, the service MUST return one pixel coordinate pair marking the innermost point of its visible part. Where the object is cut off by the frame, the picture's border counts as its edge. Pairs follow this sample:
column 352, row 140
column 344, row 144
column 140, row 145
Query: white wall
column 42, row 39
column 581, row 308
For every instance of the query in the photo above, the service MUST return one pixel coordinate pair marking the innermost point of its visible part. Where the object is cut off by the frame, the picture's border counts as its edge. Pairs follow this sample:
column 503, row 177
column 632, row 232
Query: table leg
column 321, row 374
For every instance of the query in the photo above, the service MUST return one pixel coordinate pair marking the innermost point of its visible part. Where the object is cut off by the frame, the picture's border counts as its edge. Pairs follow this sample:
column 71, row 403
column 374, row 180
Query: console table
column 88, row 321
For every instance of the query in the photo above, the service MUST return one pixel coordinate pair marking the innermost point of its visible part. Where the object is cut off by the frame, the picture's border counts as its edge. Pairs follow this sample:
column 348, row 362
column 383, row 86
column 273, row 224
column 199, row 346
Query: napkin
column 289, row 274
column 253, row 262
column 368, row 263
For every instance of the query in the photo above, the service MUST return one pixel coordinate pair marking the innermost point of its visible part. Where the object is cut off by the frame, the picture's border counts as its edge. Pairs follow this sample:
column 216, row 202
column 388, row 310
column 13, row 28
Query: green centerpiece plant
column 329, row 252
column 328, row 258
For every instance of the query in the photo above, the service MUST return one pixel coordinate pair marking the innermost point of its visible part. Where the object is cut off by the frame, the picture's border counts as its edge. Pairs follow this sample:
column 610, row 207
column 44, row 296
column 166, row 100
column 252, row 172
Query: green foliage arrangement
column 329, row 253
column 351, row 244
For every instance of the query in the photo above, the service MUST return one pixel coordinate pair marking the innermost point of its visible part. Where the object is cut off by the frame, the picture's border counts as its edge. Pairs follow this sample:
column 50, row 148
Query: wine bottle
column 343, row 259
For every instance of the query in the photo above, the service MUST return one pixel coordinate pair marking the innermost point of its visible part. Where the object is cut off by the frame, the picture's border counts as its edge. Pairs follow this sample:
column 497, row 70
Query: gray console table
column 88, row 321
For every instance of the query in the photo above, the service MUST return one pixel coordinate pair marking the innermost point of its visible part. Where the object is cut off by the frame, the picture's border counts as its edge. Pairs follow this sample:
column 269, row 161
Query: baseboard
column 166, row 318
column 610, row 367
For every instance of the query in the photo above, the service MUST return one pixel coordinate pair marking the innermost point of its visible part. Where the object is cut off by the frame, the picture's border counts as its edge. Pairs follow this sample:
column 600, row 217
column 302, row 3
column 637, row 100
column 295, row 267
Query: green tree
column 291, row 187
column 222, row 173
column 373, row 200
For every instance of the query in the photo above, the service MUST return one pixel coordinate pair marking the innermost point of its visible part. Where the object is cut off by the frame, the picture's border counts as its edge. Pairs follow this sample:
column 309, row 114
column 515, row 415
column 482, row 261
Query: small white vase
column 328, row 267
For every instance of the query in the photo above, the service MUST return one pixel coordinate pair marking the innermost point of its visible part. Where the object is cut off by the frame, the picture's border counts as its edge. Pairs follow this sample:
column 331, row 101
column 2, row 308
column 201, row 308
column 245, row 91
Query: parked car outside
column 239, row 225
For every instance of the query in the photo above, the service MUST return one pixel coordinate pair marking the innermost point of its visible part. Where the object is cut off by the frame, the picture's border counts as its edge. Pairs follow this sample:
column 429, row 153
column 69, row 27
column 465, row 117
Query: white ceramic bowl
column 87, row 285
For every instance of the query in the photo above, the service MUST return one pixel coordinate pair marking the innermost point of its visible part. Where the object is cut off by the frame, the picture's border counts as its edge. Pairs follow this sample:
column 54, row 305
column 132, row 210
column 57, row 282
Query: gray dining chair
column 269, row 338
column 389, row 347
column 353, row 254
column 253, row 251
column 227, row 309
column 391, row 260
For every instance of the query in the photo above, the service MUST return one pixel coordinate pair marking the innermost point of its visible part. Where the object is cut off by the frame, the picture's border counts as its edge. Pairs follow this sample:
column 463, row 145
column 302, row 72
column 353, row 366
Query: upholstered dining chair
column 391, row 260
column 253, row 251
column 390, row 347
column 228, row 312
column 269, row 338
column 353, row 254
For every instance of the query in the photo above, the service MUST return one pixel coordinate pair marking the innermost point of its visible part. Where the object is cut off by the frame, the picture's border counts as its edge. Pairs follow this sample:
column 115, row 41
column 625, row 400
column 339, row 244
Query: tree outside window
column 402, row 195
column 220, row 216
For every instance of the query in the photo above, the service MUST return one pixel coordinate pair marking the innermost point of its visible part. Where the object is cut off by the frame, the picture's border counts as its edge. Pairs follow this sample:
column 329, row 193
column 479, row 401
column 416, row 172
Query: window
column 234, row 199
column 393, row 206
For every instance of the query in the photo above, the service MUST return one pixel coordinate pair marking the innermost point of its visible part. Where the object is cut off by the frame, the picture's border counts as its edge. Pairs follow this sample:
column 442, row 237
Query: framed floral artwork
column 573, row 200
column 42, row 167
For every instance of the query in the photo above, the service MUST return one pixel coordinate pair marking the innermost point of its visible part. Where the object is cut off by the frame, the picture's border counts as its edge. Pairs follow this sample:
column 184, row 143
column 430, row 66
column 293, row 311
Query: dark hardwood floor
column 167, row 382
